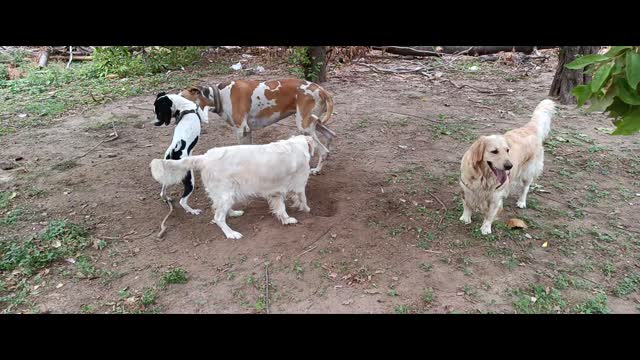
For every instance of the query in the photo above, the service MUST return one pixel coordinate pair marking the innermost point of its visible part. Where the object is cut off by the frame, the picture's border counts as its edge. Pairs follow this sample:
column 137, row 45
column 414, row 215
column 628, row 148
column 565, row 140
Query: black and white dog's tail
column 170, row 172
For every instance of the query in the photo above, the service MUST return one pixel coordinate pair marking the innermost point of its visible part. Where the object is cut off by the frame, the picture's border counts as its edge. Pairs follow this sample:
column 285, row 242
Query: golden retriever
column 234, row 174
column 495, row 164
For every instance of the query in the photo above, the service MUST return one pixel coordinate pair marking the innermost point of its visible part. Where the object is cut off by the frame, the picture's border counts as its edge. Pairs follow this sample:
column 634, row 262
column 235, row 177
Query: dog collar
column 185, row 112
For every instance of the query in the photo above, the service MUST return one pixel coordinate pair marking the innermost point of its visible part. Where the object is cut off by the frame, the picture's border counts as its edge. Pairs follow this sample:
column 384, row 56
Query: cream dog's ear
column 477, row 152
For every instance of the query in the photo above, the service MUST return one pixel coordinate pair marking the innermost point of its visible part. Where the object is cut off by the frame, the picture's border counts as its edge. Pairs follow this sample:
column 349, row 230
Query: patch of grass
column 60, row 239
column 85, row 267
column 426, row 267
column 65, row 165
column 469, row 290
column 5, row 198
column 175, row 275
column 425, row 239
column 298, row 269
column 12, row 217
column 458, row 132
column 149, row 297
column 393, row 292
column 595, row 195
column 398, row 230
column 428, row 296
column 597, row 305
column 101, row 244
column 35, row 192
column 16, row 298
column 362, row 124
column 608, row 269
column 604, row 237
column 87, row 309
column 537, row 300
column 627, row 285
column 401, row 309
column 124, row 293
column 46, row 93
column 260, row 304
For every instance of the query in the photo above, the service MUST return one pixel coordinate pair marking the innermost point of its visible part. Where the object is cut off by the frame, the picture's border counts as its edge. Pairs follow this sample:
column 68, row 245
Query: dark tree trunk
column 565, row 79
column 318, row 70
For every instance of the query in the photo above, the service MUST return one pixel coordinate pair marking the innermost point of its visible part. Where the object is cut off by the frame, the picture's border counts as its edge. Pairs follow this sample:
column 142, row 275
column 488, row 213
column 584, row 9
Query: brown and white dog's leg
column 276, row 203
column 322, row 154
column 490, row 216
column 327, row 133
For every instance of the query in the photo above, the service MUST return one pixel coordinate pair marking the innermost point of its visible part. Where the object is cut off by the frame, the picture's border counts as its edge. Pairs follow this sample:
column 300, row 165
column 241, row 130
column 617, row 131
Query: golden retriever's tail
column 541, row 118
column 170, row 172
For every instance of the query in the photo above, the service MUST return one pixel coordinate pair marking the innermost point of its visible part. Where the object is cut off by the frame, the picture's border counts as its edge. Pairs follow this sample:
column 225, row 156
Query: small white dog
column 235, row 173
column 495, row 164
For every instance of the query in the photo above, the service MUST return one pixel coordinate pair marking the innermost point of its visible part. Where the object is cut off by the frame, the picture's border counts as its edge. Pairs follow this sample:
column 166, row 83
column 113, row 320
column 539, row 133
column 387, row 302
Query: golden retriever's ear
column 477, row 151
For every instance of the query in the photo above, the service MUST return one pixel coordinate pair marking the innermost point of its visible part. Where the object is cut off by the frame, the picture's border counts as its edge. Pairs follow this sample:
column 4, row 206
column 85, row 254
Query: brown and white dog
column 495, row 164
column 249, row 105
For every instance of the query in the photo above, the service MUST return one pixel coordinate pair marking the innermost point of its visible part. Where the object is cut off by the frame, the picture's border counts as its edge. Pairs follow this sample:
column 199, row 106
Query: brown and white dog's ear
column 312, row 145
column 477, row 151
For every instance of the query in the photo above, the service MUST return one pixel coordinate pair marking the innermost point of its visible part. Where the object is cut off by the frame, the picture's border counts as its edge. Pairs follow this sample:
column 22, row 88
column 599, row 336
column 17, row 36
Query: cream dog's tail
column 541, row 118
column 170, row 172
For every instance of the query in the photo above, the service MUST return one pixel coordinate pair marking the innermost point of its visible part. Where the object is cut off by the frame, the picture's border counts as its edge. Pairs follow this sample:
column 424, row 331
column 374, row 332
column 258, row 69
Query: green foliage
column 303, row 66
column 61, row 239
column 614, row 86
column 122, row 61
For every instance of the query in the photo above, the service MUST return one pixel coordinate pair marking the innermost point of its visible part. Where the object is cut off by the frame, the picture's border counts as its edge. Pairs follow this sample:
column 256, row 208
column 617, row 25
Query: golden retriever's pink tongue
column 501, row 175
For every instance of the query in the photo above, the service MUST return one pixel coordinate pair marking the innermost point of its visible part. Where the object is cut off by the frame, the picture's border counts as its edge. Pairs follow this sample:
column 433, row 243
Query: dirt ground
column 383, row 235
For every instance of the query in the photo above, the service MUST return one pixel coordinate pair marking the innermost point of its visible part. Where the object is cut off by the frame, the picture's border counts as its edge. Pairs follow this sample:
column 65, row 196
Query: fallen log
column 468, row 50
column 66, row 57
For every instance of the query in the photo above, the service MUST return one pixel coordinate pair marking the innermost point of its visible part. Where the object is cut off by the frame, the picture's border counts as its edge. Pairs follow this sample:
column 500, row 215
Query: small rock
column 111, row 155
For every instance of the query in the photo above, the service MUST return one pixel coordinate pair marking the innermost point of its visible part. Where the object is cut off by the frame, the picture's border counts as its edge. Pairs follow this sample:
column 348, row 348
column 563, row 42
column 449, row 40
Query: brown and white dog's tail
column 541, row 118
column 328, row 101
column 170, row 172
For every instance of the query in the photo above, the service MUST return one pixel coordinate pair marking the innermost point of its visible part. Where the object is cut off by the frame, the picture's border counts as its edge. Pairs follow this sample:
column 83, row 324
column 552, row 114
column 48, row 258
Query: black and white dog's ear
column 161, row 94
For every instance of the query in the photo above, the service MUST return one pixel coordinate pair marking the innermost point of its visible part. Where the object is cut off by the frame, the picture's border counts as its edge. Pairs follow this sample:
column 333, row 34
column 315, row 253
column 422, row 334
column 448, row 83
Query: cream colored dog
column 233, row 174
column 495, row 164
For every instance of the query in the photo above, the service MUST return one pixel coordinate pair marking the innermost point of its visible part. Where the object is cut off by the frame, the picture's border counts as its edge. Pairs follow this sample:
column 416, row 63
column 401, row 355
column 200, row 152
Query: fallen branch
column 139, row 108
column 480, row 104
column 415, row 116
column 76, row 58
column 484, row 91
column 393, row 71
column 402, row 50
column 101, row 142
column 443, row 207
column 163, row 228
column 306, row 251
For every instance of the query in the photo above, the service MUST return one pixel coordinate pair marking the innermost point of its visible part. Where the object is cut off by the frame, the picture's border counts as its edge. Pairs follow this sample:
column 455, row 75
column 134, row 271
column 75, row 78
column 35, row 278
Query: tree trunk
column 317, row 71
column 565, row 80
column 43, row 57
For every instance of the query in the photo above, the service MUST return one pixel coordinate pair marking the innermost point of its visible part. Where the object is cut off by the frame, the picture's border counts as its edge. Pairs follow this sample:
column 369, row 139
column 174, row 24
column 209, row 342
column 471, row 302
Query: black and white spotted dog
column 185, row 137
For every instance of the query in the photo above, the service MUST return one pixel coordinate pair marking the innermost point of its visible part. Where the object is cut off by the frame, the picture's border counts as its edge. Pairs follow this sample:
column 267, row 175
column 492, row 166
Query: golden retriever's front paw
column 521, row 204
column 485, row 229
column 465, row 219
